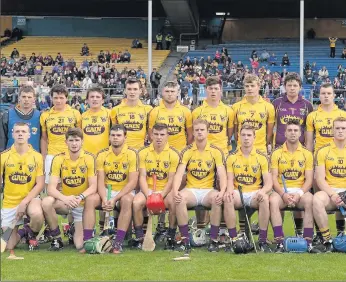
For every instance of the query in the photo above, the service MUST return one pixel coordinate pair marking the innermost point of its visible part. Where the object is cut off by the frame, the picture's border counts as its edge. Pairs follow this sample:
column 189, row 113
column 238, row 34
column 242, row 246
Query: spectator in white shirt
column 87, row 82
column 323, row 74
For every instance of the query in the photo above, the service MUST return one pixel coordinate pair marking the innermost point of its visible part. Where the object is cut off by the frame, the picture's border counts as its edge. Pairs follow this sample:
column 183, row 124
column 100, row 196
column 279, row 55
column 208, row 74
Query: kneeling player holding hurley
column 295, row 164
column 22, row 173
column 330, row 177
column 76, row 169
column 116, row 166
column 248, row 167
column 202, row 161
column 162, row 160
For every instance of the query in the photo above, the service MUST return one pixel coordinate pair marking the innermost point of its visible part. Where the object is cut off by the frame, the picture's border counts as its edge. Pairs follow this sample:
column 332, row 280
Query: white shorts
column 295, row 191
column 8, row 216
column 338, row 190
column 114, row 193
column 47, row 167
column 199, row 194
column 77, row 214
column 248, row 196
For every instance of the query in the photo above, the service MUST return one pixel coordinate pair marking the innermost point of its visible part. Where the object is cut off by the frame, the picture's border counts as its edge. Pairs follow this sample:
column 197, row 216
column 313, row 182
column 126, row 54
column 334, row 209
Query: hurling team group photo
column 217, row 177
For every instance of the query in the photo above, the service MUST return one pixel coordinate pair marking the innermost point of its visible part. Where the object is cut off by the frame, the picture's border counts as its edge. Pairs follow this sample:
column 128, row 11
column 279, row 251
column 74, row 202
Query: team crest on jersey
column 223, row 118
column 301, row 163
column 141, row 116
column 262, row 115
column 209, row 164
column 94, row 119
column 255, row 168
column 181, row 119
column 34, row 130
column 302, row 112
column 83, row 168
column 166, row 164
column 31, row 167
column 103, row 119
column 125, row 165
column 74, row 171
column 70, row 120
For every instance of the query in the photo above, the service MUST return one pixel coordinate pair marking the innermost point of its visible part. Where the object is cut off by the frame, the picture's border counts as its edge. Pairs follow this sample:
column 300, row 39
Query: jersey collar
column 335, row 108
column 123, row 103
column 81, row 155
column 13, row 149
column 162, row 105
column 123, row 150
column 284, row 147
column 67, row 108
column 244, row 100
column 252, row 153
column 206, row 105
column 152, row 149
column 300, row 97
column 333, row 145
column 207, row 147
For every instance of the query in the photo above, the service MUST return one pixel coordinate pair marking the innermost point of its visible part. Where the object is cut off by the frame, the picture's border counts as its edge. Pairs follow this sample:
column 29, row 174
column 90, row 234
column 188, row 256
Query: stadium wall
column 77, row 27
column 5, row 22
column 247, row 29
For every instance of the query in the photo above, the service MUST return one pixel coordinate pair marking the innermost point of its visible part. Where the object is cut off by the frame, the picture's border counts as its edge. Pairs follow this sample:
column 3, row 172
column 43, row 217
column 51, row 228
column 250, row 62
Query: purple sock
column 22, row 233
column 262, row 236
column 232, row 232
column 87, row 234
column 184, row 231
column 139, row 231
column 278, row 234
column 55, row 232
column 120, row 236
column 308, row 234
column 214, row 232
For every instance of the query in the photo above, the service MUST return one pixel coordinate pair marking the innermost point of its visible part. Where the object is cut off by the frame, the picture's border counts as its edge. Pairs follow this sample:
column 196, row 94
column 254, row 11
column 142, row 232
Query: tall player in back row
column 23, row 112
column 177, row 117
column 133, row 114
column 253, row 110
column 54, row 124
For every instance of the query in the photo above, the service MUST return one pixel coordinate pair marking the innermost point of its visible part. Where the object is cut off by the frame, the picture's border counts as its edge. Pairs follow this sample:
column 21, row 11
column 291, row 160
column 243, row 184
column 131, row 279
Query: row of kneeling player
column 78, row 182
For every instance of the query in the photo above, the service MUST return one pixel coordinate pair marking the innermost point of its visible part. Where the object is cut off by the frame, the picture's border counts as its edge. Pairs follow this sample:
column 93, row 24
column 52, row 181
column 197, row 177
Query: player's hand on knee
column 260, row 195
column 219, row 198
column 336, row 200
column 295, row 199
column 228, row 196
column 71, row 201
column 21, row 210
column 178, row 198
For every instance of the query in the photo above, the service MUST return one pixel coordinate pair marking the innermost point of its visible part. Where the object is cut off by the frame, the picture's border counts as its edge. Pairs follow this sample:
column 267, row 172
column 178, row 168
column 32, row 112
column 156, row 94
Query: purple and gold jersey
column 287, row 111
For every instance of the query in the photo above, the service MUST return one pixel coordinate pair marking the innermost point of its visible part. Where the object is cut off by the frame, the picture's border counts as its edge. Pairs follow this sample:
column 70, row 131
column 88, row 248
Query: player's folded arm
column 267, row 182
column 309, row 175
column 53, row 188
column 320, row 175
column 178, row 177
column 92, row 189
column 169, row 185
column 221, row 172
column 36, row 190
column 143, row 184
column 131, row 184
column 101, row 184
column 276, row 185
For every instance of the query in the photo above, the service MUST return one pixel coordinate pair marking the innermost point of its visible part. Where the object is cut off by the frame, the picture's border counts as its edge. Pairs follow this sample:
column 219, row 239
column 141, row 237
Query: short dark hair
column 293, row 122
column 327, row 85
column 95, row 89
column 118, row 127
column 74, row 132
column 60, row 89
column 133, row 81
column 246, row 126
column 160, row 126
column 212, row 80
column 27, row 89
column 291, row 77
column 21, row 124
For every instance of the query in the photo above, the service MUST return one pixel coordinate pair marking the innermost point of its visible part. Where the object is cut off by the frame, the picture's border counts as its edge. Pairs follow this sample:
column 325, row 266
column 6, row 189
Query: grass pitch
column 68, row 265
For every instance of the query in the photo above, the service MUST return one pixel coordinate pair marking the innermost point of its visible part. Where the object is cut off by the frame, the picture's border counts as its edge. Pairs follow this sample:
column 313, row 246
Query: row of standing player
column 222, row 120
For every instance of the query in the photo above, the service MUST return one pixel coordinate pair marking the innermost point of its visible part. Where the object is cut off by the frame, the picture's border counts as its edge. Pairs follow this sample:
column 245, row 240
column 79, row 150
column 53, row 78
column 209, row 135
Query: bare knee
column 138, row 203
column 47, row 203
column 126, row 201
column 318, row 200
column 92, row 201
column 308, row 200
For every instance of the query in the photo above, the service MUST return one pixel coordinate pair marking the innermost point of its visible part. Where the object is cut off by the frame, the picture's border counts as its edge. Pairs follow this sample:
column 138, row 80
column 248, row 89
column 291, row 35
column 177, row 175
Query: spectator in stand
column 33, row 57
column 309, row 77
column 217, row 56
column 341, row 72
column 114, row 57
column 59, row 59
column 272, row 60
column 332, row 42
column 69, row 82
column 126, row 56
column 254, row 55
column 285, row 60
column 38, row 67
column 254, row 64
column 169, row 38
column 87, row 82
column 136, row 43
column 323, row 74
column 48, row 60
column 43, row 104
column 15, row 53
column 202, row 79
column 85, row 50
column 341, row 103
column 264, row 56
column 23, row 71
column 101, row 57
column 188, row 63
column 186, row 101
column 315, row 90
column 343, row 54
column 311, row 34
column 159, row 39
column 283, row 74
column 40, row 58
column 155, row 78
column 22, row 59
column 108, row 56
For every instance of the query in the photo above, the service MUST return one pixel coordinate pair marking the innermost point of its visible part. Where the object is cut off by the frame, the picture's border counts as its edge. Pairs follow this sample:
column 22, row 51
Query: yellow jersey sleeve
column 188, row 118
column 218, row 156
column 229, row 163
column 195, row 113
column 90, row 162
column 114, row 116
column 43, row 121
column 56, row 166
column 186, row 155
column 100, row 161
column 142, row 153
column 175, row 158
column 230, row 118
column 39, row 161
column 235, row 110
column 152, row 117
column 271, row 113
column 310, row 122
column 321, row 157
column 133, row 161
column 309, row 160
column 274, row 159
column 78, row 118
column 263, row 161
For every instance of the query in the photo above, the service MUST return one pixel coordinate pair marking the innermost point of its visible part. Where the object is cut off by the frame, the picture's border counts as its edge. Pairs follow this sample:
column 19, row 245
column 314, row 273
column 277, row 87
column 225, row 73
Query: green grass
column 68, row 265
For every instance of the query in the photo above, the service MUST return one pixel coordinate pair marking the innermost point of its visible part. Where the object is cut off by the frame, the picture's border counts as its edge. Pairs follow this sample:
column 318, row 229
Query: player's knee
column 92, row 200
column 126, row 201
column 47, row 203
column 308, row 200
column 274, row 202
column 37, row 214
column 317, row 202
column 138, row 204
